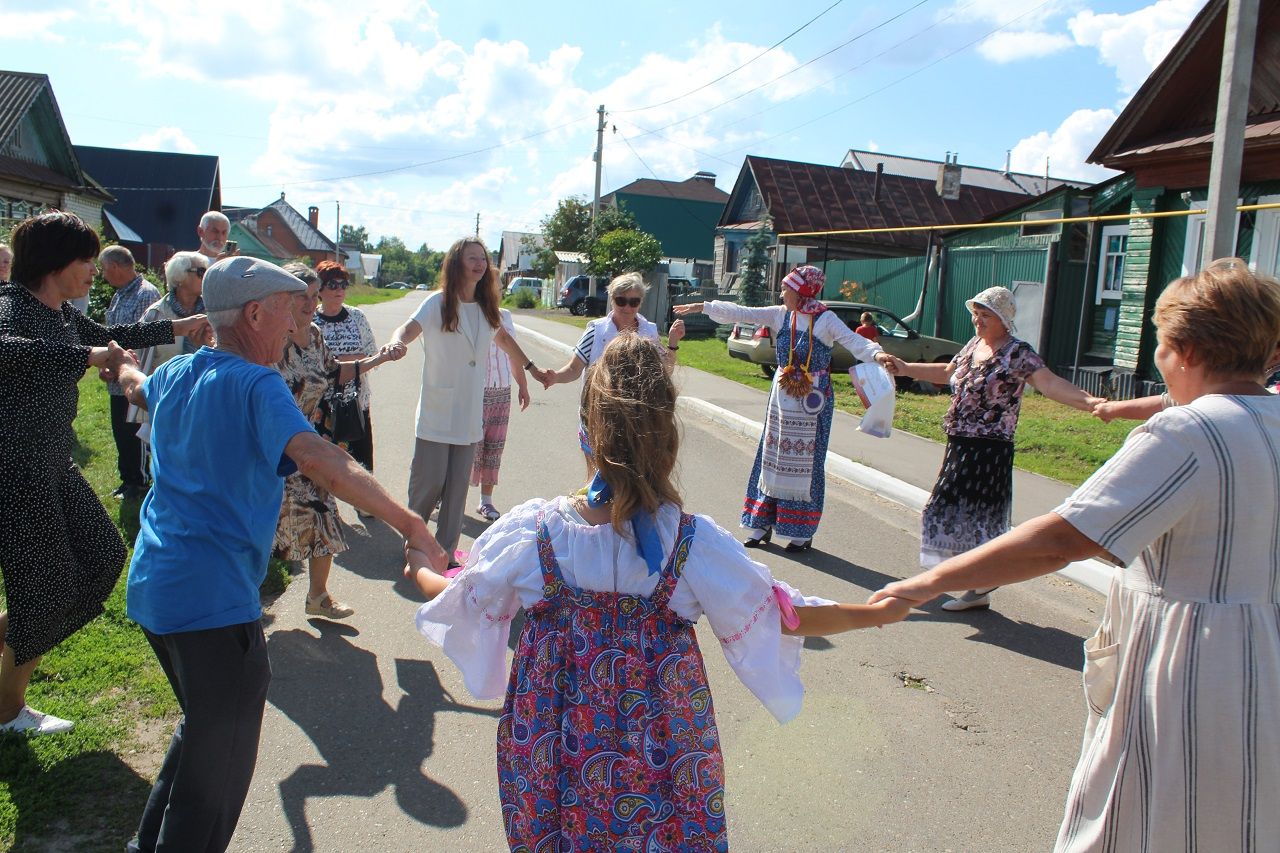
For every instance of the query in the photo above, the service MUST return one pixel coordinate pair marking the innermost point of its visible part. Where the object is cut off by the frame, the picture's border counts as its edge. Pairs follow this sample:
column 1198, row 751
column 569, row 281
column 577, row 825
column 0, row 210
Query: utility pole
column 595, row 202
column 337, row 224
column 477, row 223
column 1228, row 130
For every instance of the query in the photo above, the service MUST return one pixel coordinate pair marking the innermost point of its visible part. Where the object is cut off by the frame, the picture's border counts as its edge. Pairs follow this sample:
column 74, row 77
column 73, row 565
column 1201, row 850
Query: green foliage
column 753, row 292
column 622, row 251
column 569, row 229
column 400, row 264
column 355, row 235
column 524, row 299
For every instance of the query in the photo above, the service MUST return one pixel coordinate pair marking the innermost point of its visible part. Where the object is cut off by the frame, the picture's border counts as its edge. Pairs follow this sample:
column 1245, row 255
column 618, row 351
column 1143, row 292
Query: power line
column 740, row 67
column 692, row 214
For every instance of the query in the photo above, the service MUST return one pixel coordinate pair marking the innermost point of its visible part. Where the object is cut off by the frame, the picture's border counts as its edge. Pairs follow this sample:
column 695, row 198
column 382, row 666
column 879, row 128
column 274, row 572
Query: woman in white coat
column 456, row 324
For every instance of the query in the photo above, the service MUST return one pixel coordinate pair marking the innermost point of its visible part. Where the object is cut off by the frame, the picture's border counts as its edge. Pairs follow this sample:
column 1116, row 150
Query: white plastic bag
column 876, row 389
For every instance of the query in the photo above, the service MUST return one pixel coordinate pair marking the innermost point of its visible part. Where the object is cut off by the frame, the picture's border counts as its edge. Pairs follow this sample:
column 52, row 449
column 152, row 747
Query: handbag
column 345, row 421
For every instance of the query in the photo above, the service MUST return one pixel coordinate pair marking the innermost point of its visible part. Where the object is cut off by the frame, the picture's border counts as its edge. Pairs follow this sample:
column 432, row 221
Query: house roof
column 309, row 237
column 266, row 246
column 812, row 197
column 161, row 194
column 23, row 94
column 970, row 176
column 1173, row 114
column 701, row 187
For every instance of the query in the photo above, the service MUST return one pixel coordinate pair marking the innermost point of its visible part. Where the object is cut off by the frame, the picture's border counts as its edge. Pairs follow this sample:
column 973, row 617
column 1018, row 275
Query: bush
column 524, row 299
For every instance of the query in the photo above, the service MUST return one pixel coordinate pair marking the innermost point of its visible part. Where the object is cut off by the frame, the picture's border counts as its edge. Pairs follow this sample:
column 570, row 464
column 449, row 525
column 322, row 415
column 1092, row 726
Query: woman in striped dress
column 1182, row 678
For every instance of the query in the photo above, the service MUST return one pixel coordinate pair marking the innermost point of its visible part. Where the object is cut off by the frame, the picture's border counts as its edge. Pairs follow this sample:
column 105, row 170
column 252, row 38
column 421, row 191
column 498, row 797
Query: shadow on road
column 1052, row 645
column 379, row 555
column 332, row 690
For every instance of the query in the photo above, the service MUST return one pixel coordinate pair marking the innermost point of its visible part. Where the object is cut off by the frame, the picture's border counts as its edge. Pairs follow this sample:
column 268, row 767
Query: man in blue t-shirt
column 225, row 431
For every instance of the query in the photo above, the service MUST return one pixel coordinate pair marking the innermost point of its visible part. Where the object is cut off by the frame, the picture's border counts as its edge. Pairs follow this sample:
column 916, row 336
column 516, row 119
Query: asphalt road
column 944, row 733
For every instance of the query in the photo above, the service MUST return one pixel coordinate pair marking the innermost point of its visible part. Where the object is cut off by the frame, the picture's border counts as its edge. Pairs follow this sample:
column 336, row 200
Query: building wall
column 1138, row 294
column 686, row 229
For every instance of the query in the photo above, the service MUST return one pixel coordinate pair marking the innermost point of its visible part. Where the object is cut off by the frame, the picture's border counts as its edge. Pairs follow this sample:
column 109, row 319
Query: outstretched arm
column 1033, row 548
column 1060, row 390
column 571, row 371
column 837, row 618
column 1129, row 410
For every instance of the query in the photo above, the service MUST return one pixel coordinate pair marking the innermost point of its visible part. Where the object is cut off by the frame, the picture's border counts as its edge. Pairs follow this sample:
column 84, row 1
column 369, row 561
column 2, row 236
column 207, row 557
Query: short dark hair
column 47, row 243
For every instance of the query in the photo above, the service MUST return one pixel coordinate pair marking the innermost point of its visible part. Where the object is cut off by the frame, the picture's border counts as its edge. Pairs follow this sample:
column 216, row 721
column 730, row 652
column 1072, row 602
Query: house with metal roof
column 682, row 215
column 1163, row 141
column 159, row 198
column 970, row 176
column 283, row 233
column 39, row 167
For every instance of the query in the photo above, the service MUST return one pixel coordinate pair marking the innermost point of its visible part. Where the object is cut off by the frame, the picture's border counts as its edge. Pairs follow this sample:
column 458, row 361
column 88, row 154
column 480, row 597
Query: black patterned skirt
column 972, row 500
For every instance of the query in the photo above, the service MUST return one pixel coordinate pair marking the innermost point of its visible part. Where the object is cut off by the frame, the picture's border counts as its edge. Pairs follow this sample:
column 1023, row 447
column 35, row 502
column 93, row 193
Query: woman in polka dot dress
column 60, row 554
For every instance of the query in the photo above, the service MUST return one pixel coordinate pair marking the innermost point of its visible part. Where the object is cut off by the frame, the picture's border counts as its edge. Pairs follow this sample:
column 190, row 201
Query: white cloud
column 171, row 139
column 1134, row 43
column 1012, row 46
column 38, row 25
column 1066, row 147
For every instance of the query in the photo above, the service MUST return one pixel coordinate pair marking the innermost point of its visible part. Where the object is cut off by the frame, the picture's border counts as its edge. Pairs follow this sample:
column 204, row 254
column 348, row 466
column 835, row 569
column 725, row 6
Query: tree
column 623, row 250
column 752, row 291
column 568, row 229
column 355, row 235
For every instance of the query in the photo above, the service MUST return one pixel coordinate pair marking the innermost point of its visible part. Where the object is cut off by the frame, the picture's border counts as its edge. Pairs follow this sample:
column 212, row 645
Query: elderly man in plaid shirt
column 133, row 296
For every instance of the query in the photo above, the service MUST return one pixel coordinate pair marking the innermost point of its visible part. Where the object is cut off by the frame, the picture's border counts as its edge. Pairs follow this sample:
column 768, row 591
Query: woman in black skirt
column 60, row 554
column 973, row 497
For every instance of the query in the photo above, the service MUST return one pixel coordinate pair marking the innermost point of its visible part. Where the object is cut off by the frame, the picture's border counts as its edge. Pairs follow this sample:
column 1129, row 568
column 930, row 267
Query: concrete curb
column 1093, row 574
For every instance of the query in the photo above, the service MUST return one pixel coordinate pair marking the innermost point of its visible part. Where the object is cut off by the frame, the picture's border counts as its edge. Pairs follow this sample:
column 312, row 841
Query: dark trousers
column 128, row 447
column 220, row 677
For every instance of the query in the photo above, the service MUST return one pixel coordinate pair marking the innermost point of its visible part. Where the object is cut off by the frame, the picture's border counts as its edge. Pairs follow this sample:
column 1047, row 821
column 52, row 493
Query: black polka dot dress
column 60, row 554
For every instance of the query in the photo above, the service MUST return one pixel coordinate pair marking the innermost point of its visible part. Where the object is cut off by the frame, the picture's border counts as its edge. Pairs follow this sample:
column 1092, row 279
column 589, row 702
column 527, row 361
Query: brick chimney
column 949, row 173
column 313, row 216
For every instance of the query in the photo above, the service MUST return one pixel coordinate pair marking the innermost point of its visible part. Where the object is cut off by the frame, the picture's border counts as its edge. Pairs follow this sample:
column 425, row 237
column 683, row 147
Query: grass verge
column 363, row 294
column 85, row 790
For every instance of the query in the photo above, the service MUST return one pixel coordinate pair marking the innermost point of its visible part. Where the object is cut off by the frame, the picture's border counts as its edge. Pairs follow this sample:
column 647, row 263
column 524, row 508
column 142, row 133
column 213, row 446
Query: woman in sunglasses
column 626, row 293
column 349, row 337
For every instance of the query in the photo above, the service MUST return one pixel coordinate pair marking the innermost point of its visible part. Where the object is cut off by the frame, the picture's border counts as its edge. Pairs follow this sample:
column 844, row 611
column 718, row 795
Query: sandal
column 328, row 607
column 488, row 512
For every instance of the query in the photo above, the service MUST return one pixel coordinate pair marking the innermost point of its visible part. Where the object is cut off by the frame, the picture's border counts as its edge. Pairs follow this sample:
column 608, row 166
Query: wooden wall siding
column 1137, row 271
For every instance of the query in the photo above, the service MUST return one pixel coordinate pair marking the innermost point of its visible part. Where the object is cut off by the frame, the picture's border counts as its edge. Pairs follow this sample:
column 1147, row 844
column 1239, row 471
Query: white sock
column 755, row 533
column 486, row 497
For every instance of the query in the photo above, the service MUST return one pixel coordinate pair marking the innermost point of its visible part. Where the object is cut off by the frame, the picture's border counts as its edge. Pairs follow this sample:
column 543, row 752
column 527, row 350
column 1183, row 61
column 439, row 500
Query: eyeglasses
column 199, row 271
column 628, row 301
column 338, row 284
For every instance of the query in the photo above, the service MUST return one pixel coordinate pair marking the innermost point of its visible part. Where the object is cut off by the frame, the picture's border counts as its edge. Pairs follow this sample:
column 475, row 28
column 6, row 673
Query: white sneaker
column 32, row 722
column 970, row 599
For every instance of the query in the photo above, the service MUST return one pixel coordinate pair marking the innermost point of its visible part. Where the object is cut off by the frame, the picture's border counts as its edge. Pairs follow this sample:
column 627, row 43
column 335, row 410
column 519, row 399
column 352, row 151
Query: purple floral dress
column 607, row 739
column 972, row 500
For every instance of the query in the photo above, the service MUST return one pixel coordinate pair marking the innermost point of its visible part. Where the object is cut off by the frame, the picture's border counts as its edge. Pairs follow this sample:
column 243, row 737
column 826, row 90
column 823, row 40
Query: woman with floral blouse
column 972, row 500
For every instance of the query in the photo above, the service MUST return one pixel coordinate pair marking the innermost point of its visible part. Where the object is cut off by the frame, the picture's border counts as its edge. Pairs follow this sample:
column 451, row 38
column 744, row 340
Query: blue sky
column 489, row 108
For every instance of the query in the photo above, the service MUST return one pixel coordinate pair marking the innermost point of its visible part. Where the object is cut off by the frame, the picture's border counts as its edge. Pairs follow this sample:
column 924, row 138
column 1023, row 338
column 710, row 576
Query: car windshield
column 887, row 323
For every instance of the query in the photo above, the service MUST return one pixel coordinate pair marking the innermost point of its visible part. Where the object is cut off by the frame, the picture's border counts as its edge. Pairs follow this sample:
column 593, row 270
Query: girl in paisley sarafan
column 607, row 739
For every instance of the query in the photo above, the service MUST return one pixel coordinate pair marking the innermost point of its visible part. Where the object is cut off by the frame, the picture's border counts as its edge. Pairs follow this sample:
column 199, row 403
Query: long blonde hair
column 629, row 408
column 488, row 294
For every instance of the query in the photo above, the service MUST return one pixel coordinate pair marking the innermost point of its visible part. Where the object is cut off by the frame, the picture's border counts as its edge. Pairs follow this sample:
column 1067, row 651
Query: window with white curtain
column 1115, row 239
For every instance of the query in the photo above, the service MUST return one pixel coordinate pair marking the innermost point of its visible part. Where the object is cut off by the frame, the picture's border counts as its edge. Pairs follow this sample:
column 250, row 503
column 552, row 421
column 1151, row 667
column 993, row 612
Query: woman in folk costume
column 788, row 481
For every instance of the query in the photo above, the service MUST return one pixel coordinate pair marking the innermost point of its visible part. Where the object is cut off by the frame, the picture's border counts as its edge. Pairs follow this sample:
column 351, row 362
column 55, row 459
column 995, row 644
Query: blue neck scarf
column 648, row 545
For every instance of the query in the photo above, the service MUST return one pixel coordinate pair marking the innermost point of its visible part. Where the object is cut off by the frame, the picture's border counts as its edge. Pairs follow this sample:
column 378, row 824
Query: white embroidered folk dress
column 1182, row 744
column 471, row 620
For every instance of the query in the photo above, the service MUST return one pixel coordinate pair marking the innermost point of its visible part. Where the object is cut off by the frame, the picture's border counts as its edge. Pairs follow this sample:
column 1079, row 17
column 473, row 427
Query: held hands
column 195, row 328
column 689, row 308
column 893, row 365
column 890, row 609
column 109, row 359
column 546, row 376
column 394, row 351
column 900, row 591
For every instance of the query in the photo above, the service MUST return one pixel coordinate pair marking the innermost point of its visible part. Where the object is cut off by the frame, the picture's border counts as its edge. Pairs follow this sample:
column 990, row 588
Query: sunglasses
column 627, row 301
column 199, row 271
column 334, row 285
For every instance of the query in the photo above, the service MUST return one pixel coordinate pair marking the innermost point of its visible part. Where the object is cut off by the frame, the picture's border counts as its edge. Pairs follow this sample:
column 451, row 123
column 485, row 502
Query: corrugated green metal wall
column 970, row 271
column 686, row 229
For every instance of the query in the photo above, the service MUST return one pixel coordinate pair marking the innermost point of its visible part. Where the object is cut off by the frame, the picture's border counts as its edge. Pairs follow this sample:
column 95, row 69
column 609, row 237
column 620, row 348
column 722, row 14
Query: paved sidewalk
column 901, row 468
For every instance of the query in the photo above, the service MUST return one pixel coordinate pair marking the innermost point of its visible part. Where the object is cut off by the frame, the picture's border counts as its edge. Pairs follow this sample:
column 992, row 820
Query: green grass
column 86, row 789
column 363, row 294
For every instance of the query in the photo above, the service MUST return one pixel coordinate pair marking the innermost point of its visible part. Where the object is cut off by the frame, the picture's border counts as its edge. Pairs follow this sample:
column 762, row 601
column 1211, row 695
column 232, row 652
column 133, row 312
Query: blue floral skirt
column 972, row 500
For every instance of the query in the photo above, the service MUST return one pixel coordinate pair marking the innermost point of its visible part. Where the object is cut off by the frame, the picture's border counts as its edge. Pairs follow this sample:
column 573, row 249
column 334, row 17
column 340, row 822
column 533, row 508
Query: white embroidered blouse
column 471, row 620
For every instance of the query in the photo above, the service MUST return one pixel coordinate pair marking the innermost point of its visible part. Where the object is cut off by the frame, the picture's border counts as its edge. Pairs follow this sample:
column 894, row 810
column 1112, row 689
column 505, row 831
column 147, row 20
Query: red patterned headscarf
column 807, row 281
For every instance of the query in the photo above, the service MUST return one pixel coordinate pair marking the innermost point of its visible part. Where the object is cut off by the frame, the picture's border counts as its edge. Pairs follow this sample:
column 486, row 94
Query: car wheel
column 928, row 387
column 769, row 369
column 578, row 308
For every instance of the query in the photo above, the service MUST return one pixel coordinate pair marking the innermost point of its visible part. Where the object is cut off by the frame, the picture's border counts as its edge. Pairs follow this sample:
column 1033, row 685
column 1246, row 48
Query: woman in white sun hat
column 972, row 500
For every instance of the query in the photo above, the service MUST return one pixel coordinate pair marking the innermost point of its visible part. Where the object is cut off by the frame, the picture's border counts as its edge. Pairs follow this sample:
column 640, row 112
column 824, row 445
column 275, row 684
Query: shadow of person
column 366, row 744
column 87, row 802
column 379, row 555
column 1051, row 645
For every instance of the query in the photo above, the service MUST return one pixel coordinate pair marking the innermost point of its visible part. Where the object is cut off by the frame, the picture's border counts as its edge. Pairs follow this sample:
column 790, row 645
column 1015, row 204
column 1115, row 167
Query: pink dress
column 608, row 737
